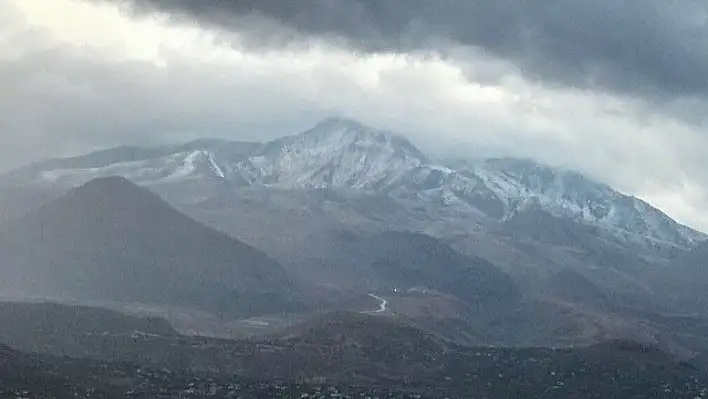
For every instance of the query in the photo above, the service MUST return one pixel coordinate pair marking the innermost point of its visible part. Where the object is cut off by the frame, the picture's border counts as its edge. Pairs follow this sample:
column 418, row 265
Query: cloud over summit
column 614, row 89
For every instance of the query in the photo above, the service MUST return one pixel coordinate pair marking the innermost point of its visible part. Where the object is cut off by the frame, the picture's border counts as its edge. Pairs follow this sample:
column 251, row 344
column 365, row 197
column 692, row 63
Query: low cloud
column 145, row 78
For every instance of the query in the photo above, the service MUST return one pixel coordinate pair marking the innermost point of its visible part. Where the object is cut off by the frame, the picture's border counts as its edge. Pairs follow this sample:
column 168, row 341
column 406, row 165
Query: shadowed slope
column 110, row 239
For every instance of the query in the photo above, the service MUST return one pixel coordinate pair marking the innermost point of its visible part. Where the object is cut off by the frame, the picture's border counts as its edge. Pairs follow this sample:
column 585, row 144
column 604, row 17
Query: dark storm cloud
column 76, row 76
column 654, row 48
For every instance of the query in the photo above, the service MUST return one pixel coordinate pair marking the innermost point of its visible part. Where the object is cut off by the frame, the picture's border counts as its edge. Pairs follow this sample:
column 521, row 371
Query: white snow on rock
column 343, row 154
column 335, row 153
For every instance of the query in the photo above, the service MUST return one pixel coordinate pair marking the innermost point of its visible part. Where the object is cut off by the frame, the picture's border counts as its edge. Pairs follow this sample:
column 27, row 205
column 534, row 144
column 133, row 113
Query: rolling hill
column 112, row 240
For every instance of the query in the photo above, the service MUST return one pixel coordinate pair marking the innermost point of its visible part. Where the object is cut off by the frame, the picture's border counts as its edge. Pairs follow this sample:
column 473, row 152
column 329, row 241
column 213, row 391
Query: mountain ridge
column 342, row 154
column 111, row 239
column 334, row 153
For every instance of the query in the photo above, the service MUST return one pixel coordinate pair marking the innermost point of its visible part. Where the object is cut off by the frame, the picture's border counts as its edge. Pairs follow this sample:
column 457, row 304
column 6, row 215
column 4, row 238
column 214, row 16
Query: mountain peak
column 341, row 153
column 111, row 194
column 336, row 152
column 526, row 185
column 343, row 133
column 108, row 182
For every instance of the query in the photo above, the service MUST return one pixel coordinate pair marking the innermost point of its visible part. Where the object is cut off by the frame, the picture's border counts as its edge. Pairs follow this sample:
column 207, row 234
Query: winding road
column 382, row 305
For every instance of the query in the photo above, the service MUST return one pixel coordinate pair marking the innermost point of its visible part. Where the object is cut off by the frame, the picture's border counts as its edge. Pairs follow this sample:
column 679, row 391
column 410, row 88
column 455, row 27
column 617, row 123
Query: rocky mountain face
column 415, row 261
column 339, row 154
column 325, row 202
column 334, row 154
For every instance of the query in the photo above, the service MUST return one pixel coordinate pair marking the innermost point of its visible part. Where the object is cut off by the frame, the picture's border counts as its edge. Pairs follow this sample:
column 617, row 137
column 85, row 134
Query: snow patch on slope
column 335, row 153
column 215, row 167
column 343, row 154
column 170, row 168
column 523, row 185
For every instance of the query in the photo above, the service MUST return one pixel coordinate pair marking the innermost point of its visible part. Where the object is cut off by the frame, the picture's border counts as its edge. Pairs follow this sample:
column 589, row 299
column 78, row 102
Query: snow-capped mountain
column 343, row 154
column 334, row 153
column 211, row 159
column 182, row 165
column 524, row 184
column 503, row 188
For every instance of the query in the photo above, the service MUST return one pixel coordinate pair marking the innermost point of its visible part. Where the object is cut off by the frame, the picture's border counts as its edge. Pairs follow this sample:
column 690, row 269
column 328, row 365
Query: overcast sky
column 615, row 89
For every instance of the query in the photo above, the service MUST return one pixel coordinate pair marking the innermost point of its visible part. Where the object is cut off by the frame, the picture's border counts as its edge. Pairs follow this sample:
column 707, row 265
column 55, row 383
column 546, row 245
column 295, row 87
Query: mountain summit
column 342, row 154
column 334, row 153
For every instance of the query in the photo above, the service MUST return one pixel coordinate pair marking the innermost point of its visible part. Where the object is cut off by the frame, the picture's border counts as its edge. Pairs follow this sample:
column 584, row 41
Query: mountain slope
column 339, row 154
column 524, row 185
column 684, row 281
column 199, row 159
column 59, row 329
column 112, row 240
column 334, row 153
column 17, row 200
column 413, row 260
column 502, row 189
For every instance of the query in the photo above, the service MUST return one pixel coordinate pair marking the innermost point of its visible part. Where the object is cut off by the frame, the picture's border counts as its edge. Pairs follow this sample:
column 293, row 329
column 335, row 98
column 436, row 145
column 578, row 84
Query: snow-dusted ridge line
column 343, row 154
column 334, row 153
column 215, row 167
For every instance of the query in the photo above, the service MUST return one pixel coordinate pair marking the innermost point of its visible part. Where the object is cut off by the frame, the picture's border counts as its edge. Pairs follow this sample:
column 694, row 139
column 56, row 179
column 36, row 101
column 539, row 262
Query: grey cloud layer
column 59, row 98
column 653, row 48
